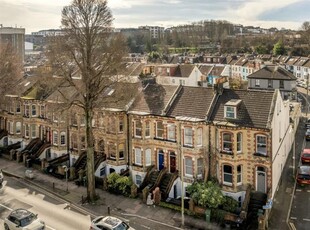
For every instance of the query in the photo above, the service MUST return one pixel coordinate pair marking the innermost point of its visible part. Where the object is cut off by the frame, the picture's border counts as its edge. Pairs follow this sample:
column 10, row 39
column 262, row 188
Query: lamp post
column 66, row 171
column 307, row 104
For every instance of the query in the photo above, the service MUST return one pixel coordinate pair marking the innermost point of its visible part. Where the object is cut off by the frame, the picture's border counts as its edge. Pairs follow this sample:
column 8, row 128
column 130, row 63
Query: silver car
column 109, row 223
column 22, row 219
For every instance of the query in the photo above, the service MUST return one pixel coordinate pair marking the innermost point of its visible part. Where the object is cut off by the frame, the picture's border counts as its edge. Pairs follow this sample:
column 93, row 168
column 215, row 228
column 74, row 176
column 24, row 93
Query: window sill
column 227, row 184
column 260, row 154
column 137, row 165
column 226, row 152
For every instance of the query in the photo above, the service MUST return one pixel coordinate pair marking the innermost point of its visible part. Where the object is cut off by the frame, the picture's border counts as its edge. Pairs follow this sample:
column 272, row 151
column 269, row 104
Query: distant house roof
column 272, row 72
column 292, row 60
column 186, row 70
column 241, row 61
column 301, row 61
column 205, row 69
column 253, row 111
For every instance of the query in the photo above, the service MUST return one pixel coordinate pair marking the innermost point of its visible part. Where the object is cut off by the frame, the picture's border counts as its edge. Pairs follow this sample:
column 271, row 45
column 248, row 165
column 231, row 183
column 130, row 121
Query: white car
column 109, row 223
column 22, row 219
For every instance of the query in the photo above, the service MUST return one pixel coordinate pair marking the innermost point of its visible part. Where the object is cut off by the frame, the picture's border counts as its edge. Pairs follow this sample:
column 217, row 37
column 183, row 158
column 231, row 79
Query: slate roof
column 241, row 61
column 153, row 99
column 186, row 69
column 292, row 60
column 301, row 61
column 192, row 102
column 272, row 72
column 253, row 111
column 205, row 69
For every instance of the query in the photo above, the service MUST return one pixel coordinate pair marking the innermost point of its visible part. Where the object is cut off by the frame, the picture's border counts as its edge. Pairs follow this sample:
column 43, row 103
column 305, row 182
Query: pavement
column 108, row 203
column 128, row 207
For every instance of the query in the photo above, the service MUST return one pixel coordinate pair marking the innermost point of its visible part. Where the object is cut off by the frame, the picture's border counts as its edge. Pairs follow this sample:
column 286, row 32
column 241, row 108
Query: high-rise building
column 15, row 37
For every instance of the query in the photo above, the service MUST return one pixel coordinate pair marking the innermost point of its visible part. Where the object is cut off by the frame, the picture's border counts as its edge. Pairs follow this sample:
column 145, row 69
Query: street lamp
column 66, row 171
column 307, row 105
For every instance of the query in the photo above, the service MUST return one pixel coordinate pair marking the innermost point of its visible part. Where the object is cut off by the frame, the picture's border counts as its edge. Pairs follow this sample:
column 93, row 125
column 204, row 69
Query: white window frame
column 138, row 156
column 171, row 132
column 33, row 110
column 27, row 130
column 55, row 138
column 199, row 137
column 230, row 111
column 138, row 129
column 224, row 147
column 26, row 112
column 138, row 179
column 147, row 129
column 261, row 144
column 188, row 136
column 18, row 128
column 227, row 174
column 257, row 83
column 188, row 165
column 120, row 150
column 148, row 157
column 200, row 168
column 33, row 131
column 239, row 142
column 18, row 107
column 160, row 129
column 63, row 138
column 11, row 127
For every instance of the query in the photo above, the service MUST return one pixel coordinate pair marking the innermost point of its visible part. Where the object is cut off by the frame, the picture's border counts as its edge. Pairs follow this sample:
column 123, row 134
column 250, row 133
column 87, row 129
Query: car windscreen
column 307, row 155
column 121, row 226
column 304, row 176
column 27, row 220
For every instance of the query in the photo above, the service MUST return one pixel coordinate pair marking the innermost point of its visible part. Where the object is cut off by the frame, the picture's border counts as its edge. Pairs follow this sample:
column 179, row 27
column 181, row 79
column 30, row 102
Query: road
column 300, row 209
column 56, row 214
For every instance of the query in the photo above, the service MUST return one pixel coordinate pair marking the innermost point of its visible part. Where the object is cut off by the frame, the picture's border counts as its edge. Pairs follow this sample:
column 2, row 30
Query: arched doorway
column 261, row 179
column 161, row 160
column 172, row 162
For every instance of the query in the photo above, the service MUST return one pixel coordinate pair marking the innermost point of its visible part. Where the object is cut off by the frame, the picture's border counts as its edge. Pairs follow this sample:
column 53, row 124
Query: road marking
column 50, row 227
column 6, row 207
column 293, row 218
column 308, row 190
column 298, row 190
column 145, row 226
column 306, row 219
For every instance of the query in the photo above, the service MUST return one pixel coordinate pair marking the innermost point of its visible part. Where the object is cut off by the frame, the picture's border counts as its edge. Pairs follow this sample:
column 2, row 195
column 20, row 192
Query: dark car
column 305, row 156
column 303, row 174
column 307, row 135
column 307, row 124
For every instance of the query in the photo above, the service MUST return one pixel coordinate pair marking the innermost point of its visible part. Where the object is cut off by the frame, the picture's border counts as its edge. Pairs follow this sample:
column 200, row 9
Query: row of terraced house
column 239, row 137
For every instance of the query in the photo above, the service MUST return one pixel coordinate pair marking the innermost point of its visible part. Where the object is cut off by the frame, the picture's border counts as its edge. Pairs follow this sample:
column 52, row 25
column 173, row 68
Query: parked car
column 307, row 135
column 303, row 174
column 307, row 124
column 22, row 219
column 1, row 177
column 109, row 223
column 305, row 156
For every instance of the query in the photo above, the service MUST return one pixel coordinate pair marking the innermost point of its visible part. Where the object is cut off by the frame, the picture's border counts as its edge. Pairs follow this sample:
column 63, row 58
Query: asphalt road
column 55, row 213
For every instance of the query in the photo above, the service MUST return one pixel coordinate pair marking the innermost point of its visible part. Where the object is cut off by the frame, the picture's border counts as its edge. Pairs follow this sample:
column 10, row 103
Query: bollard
column 53, row 185
column 108, row 210
column 82, row 199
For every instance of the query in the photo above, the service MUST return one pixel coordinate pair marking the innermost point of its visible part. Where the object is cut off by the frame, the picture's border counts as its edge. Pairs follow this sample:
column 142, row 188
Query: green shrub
column 229, row 204
column 119, row 184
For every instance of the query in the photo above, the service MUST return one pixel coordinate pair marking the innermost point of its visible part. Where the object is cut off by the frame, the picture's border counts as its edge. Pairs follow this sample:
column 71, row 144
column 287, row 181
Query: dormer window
column 257, row 82
column 230, row 108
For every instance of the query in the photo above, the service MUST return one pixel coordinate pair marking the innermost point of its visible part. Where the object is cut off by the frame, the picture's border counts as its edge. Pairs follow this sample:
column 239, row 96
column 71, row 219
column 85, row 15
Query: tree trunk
column 91, row 191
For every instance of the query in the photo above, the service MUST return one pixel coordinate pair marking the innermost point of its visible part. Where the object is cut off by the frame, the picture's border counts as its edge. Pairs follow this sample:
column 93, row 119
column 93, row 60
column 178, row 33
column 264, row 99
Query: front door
column 172, row 163
column 160, row 160
column 261, row 180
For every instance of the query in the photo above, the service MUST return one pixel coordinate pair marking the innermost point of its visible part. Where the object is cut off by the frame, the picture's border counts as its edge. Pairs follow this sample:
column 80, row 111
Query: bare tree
column 10, row 68
column 92, row 51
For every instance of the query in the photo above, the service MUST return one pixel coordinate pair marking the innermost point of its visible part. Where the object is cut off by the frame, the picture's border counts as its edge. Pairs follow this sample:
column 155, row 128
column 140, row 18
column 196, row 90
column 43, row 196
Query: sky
column 35, row 15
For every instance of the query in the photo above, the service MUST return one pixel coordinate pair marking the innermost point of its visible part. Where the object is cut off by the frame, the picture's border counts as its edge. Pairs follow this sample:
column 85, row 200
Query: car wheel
column 6, row 227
